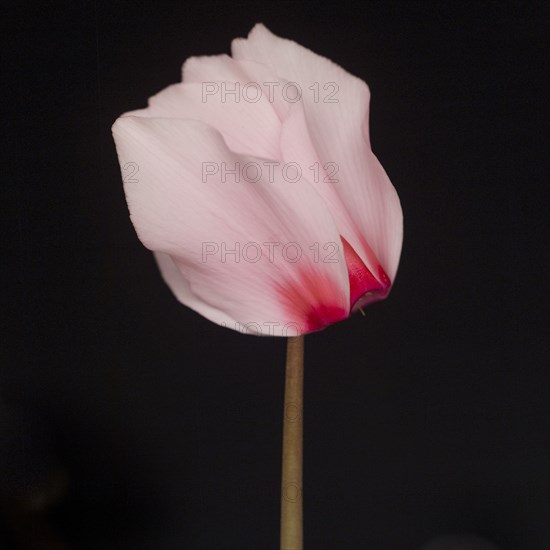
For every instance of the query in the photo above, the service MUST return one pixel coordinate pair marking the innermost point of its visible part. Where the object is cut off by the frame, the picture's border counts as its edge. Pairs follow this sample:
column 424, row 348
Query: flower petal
column 182, row 290
column 364, row 203
column 218, row 92
column 235, row 243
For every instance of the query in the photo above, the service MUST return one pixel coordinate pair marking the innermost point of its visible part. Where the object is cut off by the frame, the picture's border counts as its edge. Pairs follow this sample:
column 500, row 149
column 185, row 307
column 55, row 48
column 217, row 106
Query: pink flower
column 254, row 183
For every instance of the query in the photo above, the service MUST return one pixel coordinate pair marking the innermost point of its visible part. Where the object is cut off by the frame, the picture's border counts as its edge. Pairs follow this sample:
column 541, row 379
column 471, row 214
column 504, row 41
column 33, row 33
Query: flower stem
column 291, row 482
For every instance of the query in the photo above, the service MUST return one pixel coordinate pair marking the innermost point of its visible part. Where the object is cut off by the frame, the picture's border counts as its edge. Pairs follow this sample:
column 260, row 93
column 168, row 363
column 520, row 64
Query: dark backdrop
column 129, row 422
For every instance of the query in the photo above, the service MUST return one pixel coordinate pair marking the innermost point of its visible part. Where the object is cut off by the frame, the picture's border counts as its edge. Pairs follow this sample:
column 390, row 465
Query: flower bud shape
column 254, row 183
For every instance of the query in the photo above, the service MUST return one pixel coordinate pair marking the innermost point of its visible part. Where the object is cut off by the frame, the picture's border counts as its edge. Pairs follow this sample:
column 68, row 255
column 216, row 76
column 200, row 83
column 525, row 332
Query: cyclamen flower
column 254, row 183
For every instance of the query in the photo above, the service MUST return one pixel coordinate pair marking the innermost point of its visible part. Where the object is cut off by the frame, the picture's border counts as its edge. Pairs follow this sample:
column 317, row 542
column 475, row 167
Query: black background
column 428, row 416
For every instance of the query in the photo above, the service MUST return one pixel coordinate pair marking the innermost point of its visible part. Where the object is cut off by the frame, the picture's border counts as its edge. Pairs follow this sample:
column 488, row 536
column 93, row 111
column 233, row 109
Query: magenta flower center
column 365, row 287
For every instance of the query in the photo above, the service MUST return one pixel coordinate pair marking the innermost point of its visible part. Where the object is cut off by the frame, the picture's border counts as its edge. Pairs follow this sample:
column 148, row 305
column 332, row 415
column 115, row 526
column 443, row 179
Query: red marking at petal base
column 313, row 302
column 323, row 315
column 365, row 288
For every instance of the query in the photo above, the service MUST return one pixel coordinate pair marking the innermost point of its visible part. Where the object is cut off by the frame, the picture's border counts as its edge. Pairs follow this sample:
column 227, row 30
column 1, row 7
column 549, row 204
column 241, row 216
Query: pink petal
column 248, row 126
column 183, row 292
column 178, row 212
column 364, row 203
